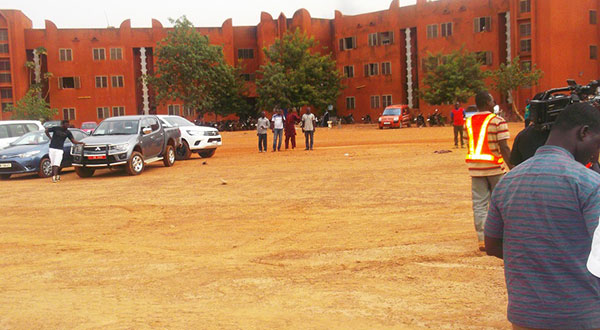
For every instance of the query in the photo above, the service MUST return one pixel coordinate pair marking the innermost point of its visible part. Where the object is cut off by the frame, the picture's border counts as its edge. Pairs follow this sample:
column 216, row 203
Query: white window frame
column 349, row 71
column 386, row 100
column 525, row 42
column 447, row 29
column 116, row 54
column 525, row 29
column 120, row 81
column 76, row 83
column 103, row 80
column 432, row 31
column 99, row 54
column 375, row 102
column 350, row 103
column 188, row 112
column 174, row 109
column 120, row 111
column 105, row 112
column 70, row 111
column 65, row 54
column 373, row 39
column 386, row 68
column 487, row 24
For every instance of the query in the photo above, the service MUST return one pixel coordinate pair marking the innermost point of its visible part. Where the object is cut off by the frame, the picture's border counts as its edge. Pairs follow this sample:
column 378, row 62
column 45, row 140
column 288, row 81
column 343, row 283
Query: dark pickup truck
column 128, row 141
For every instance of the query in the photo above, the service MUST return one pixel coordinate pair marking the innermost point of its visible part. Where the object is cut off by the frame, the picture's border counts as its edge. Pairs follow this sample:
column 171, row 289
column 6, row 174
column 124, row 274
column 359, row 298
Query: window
column 101, row 81
column 371, row 69
column 5, row 77
column 593, row 17
column 5, row 106
column 375, row 102
column 525, row 6
column 485, row 58
column 3, row 35
column 118, row 111
column 386, row 68
column 68, row 82
column 248, row 76
column 188, row 112
column 347, row 43
column 386, row 100
column 446, row 29
column 349, row 71
column 117, row 81
column 525, row 29
column 3, row 48
column 386, row 38
column 245, row 53
column 174, row 109
column 525, row 45
column 373, row 40
column 432, row 31
column 69, row 114
column 99, row 54
column 350, row 103
column 6, row 93
column 65, row 54
column 116, row 53
column 103, row 112
column 481, row 24
column 4, row 65
column 593, row 52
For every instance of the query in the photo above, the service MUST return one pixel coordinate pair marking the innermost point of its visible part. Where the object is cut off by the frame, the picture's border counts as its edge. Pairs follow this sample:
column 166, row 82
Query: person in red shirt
column 458, row 121
column 290, row 130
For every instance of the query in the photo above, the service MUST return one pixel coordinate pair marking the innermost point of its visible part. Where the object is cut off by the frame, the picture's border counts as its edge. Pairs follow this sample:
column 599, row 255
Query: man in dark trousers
column 458, row 121
column 541, row 221
column 57, row 143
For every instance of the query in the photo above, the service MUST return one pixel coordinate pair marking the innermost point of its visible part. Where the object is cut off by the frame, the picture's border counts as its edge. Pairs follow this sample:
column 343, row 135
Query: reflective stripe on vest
column 475, row 154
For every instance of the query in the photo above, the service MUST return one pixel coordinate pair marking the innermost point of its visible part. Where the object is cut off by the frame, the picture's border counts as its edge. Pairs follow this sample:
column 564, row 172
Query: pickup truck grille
column 95, row 150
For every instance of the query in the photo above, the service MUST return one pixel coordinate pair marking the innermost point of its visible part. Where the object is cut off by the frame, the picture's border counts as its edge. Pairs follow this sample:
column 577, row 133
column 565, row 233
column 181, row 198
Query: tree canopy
column 296, row 76
column 453, row 77
column 32, row 106
column 514, row 75
column 193, row 71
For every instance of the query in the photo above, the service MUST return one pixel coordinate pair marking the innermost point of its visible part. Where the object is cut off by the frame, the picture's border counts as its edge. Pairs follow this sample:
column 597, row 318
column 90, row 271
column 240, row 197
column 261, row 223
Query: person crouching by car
column 57, row 143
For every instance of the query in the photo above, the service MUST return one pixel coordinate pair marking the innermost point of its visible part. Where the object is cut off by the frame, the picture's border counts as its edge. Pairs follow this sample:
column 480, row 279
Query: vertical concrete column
column 409, row 74
column 37, row 67
column 145, row 102
column 508, row 50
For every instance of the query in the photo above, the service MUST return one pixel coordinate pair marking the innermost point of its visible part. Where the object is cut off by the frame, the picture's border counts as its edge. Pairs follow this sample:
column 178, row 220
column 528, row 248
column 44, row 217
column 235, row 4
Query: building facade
column 96, row 73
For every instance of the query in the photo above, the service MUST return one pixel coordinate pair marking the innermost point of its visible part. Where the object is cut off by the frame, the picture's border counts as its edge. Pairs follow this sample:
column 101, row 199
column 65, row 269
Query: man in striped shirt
column 485, row 174
column 541, row 221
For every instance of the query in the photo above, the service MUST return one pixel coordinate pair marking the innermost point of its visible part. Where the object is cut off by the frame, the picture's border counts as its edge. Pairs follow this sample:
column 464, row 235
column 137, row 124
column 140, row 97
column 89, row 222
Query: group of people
column 541, row 217
column 281, row 123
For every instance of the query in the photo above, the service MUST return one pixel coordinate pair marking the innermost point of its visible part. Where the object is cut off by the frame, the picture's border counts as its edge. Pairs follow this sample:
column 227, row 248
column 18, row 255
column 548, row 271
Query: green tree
column 296, row 76
column 512, row 76
column 191, row 70
column 32, row 106
column 453, row 77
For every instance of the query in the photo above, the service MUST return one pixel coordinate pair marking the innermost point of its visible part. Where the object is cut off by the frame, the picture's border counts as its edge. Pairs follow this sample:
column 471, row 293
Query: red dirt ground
column 370, row 230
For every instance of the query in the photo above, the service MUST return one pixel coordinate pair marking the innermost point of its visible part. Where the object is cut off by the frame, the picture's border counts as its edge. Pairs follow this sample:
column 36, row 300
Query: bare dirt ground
column 371, row 230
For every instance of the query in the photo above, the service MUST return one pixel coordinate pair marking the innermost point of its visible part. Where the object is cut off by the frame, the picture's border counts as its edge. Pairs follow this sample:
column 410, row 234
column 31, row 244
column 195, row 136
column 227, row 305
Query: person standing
column 309, row 123
column 57, row 144
column 458, row 121
column 262, row 125
column 527, row 113
column 541, row 221
column 487, row 135
column 278, row 123
column 290, row 129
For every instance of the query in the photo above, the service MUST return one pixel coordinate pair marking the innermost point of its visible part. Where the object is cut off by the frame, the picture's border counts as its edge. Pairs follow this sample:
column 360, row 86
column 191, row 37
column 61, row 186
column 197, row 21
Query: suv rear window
column 4, row 132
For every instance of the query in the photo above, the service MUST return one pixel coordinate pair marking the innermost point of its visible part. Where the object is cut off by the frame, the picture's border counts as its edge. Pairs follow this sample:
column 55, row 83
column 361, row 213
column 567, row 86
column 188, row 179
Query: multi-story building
column 96, row 72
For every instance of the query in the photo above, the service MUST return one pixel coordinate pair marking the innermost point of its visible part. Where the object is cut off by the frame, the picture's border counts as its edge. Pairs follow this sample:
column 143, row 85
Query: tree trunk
column 514, row 107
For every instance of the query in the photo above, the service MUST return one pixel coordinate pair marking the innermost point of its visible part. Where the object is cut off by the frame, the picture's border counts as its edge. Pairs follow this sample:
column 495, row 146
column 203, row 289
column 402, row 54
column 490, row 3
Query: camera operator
column 527, row 142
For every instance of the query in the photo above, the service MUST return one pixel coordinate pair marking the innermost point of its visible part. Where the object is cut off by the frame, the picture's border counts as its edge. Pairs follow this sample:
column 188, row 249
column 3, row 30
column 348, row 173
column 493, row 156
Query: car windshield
column 31, row 138
column 52, row 123
column 178, row 121
column 392, row 112
column 117, row 127
column 89, row 125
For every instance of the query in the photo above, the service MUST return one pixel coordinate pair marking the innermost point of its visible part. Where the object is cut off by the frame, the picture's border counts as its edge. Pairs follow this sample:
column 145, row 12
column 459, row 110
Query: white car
column 199, row 139
column 11, row 130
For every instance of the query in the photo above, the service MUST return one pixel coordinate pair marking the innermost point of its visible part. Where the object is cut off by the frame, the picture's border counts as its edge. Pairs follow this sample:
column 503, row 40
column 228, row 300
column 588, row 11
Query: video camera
column 546, row 106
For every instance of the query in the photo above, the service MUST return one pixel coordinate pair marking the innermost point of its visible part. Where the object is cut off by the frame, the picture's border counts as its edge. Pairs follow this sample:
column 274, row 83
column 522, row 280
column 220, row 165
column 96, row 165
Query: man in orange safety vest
column 487, row 135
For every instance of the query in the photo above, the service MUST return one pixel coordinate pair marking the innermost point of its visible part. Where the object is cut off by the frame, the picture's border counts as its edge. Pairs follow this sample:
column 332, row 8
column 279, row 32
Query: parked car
column 395, row 116
column 10, row 130
column 52, row 123
column 128, row 141
column 29, row 154
column 88, row 126
column 199, row 139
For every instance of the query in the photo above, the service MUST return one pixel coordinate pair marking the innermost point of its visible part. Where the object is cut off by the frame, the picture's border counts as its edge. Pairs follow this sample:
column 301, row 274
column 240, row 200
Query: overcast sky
column 100, row 14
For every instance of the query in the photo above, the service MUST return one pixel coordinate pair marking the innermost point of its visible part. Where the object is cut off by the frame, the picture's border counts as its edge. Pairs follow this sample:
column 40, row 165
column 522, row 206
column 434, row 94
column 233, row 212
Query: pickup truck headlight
column 193, row 133
column 76, row 149
column 29, row 154
column 210, row 133
column 119, row 148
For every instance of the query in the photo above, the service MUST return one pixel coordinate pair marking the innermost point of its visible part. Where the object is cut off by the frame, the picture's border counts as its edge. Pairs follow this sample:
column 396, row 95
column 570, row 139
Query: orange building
column 96, row 72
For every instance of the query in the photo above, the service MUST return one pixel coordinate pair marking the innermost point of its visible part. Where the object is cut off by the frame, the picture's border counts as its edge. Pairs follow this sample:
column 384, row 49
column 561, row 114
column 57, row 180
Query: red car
column 89, row 126
column 395, row 116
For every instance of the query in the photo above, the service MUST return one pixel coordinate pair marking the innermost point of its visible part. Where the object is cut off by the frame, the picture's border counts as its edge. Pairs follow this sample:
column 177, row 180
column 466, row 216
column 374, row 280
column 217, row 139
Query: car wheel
column 135, row 164
column 4, row 176
column 84, row 172
column 45, row 169
column 207, row 153
column 183, row 152
column 169, row 158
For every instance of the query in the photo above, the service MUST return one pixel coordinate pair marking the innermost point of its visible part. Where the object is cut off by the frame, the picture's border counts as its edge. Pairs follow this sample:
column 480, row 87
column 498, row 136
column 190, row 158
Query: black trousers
column 458, row 130
column 262, row 142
